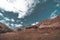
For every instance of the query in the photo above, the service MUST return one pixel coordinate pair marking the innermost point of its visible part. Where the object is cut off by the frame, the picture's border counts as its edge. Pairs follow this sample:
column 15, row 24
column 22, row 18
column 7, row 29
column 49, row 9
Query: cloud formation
column 18, row 6
column 53, row 15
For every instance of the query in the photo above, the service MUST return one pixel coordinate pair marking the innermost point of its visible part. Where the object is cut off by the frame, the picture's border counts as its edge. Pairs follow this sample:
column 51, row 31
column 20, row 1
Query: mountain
column 45, row 30
column 4, row 28
column 55, row 22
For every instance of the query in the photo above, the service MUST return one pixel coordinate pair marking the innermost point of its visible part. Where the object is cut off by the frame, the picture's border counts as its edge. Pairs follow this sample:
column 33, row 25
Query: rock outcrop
column 4, row 28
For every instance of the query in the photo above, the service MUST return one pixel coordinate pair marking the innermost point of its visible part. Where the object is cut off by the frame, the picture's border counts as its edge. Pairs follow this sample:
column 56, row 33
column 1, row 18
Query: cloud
column 18, row 6
column 12, row 20
column 58, row 5
column 18, row 25
column 11, row 25
column 6, row 19
column 4, row 22
column 35, row 23
column 1, row 14
column 21, row 22
column 53, row 15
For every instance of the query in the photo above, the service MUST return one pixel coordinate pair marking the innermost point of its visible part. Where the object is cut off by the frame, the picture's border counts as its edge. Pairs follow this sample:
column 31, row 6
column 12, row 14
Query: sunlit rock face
column 17, row 13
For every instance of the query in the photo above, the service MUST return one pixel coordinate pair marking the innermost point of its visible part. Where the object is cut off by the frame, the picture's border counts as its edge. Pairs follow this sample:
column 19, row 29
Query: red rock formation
column 50, row 23
column 46, row 30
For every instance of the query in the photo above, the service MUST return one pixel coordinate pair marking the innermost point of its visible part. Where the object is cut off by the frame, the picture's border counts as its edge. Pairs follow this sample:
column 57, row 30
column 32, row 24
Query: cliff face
column 46, row 30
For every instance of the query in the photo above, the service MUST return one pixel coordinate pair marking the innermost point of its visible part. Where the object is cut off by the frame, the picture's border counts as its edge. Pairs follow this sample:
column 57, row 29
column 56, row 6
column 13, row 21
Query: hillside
column 45, row 30
column 4, row 28
column 50, row 22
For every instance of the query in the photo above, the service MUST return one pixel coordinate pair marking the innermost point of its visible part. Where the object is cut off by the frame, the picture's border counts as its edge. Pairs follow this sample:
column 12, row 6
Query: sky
column 18, row 6
column 18, row 13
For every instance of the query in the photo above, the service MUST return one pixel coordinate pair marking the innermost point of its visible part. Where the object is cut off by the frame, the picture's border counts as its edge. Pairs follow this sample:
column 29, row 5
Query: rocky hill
column 50, row 22
column 45, row 30
column 4, row 28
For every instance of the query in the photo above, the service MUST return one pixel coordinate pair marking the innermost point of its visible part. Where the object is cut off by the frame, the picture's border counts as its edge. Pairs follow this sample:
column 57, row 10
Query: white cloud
column 6, row 23
column 35, row 23
column 12, row 20
column 12, row 24
column 1, row 14
column 3, row 21
column 21, row 22
column 7, row 19
column 18, row 25
column 58, row 5
column 18, row 6
column 53, row 15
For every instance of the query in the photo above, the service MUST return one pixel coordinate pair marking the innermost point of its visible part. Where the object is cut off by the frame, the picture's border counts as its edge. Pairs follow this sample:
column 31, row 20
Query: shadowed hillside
column 4, row 28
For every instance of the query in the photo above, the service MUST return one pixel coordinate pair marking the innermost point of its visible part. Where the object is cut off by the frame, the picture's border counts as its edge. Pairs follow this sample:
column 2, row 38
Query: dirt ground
column 32, row 34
